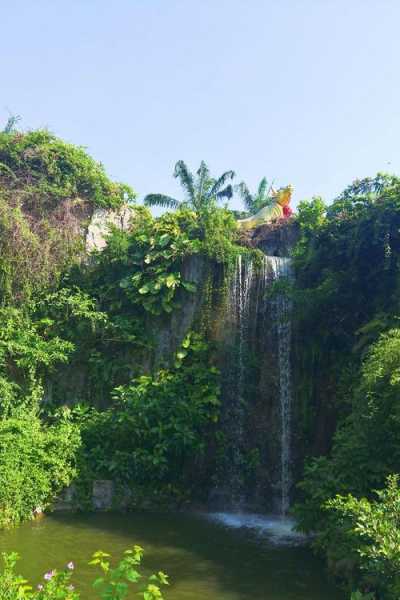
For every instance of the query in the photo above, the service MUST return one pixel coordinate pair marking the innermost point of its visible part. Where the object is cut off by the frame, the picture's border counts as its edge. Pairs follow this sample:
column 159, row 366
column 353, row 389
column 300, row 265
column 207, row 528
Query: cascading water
column 241, row 304
column 257, row 402
column 240, row 295
column 256, row 411
column 281, row 269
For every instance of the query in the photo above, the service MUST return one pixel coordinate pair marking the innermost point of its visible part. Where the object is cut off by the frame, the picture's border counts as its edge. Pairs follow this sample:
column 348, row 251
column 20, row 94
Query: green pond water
column 212, row 558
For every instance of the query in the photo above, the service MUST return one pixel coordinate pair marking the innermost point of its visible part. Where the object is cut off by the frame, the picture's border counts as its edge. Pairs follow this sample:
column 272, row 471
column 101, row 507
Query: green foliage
column 158, row 251
column 347, row 307
column 114, row 584
column 13, row 586
column 67, row 320
column 33, row 252
column 371, row 528
column 37, row 461
column 366, row 445
column 201, row 192
column 346, row 293
column 219, row 237
column 257, row 201
column 27, row 352
column 108, row 308
column 346, row 261
column 48, row 190
column 142, row 268
column 43, row 170
column 157, row 425
column 310, row 217
column 360, row 596
column 367, row 190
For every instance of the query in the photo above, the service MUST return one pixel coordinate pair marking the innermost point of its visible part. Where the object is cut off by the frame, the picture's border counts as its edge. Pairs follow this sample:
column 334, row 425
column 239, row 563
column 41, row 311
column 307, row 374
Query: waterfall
column 240, row 296
column 281, row 269
column 256, row 394
column 241, row 305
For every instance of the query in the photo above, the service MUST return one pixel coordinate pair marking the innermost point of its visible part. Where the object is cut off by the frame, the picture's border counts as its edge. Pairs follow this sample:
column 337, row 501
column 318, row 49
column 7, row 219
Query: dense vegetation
column 84, row 394
column 347, row 295
column 87, row 394
column 47, row 189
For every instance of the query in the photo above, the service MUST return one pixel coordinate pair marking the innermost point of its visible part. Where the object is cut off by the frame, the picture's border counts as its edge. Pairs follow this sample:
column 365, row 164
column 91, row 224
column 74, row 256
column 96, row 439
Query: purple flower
column 49, row 575
column 70, row 566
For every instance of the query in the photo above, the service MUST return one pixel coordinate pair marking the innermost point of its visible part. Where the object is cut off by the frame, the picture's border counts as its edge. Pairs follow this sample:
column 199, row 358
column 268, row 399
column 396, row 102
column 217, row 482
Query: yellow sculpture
column 278, row 208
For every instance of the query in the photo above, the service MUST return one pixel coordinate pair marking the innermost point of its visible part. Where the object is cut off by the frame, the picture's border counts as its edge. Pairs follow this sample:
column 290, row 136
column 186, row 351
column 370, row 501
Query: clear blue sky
column 302, row 91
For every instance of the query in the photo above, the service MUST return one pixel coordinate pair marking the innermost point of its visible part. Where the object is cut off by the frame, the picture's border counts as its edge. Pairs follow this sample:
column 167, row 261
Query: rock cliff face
column 274, row 239
column 255, row 463
column 100, row 223
column 169, row 332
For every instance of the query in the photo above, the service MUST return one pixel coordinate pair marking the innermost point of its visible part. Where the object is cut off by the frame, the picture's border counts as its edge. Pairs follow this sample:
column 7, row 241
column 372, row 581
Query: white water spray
column 277, row 530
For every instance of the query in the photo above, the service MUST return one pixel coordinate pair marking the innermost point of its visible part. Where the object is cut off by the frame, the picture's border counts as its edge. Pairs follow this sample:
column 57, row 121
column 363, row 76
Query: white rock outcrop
column 100, row 224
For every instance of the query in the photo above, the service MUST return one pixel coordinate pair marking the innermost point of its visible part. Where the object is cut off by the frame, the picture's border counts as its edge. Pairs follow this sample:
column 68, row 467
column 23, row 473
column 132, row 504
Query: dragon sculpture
column 278, row 208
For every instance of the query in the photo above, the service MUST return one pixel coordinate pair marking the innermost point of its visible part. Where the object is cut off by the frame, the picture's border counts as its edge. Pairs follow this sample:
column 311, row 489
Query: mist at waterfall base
column 278, row 530
column 257, row 317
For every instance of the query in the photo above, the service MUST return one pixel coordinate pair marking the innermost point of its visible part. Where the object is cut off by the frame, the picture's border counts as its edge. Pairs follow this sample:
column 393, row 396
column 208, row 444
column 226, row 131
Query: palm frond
column 242, row 190
column 246, row 196
column 226, row 192
column 11, row 123
column 161, row 200
column 220, row 182
column 262, row 188
column 202, row 184
column 203, row 174
column 182, row 173
column 7, row 169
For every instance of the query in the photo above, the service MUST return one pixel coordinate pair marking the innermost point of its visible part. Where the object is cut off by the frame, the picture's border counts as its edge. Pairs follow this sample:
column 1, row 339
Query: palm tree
column 254, row 202
column 11, row 124
column 201, row 191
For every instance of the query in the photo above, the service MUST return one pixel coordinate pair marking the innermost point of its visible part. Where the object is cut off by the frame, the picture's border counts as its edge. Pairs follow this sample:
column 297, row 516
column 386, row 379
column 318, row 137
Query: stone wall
column 101, row 497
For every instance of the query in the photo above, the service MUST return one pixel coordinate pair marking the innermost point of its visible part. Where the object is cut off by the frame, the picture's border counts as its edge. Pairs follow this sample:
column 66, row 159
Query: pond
column 215, row 557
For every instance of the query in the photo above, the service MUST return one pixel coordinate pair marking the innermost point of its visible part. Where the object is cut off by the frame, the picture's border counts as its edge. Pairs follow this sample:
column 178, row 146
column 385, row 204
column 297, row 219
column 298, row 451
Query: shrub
column 48, row 191
column 37, row 460
column 114, row 583
column 371, row 529
column 28, row 351
column 157, row 426
column 45, row 170
column 366, row 445
column 141, row 268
